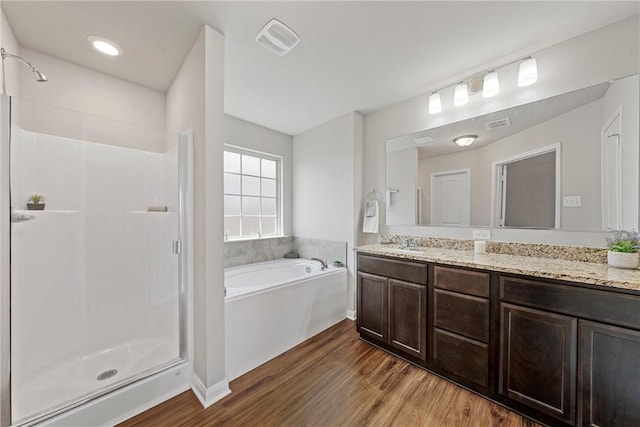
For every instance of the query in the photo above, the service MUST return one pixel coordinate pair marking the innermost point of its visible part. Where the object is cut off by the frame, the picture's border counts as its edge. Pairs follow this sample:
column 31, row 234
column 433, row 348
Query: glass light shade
column 435, row 105
column 460, row 95
column 491, row 85
column 465, row 140
column 528, row 73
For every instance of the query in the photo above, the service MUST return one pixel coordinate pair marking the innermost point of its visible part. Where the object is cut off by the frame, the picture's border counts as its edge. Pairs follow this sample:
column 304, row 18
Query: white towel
column 371, row 217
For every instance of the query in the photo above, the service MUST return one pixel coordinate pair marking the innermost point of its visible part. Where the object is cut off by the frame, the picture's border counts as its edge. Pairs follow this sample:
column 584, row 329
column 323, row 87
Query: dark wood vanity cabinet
column 392, row 304
column 609, row 375
column 563, row 353
column 461, row 325
column 538, row 360
column 571, row 352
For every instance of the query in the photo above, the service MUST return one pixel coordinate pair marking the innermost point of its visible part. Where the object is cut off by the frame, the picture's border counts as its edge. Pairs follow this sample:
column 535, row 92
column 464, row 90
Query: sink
column 411, row 249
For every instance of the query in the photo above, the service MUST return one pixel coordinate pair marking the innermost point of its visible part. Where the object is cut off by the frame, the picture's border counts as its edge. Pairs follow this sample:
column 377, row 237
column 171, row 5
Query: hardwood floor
column 334, row 379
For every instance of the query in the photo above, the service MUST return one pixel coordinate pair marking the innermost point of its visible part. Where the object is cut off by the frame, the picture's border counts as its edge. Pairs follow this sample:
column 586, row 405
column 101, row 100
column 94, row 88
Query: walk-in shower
column 97, row 277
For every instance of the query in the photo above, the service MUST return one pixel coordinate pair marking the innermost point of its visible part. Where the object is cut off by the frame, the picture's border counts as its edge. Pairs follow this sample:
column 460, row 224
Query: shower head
column 36, row 74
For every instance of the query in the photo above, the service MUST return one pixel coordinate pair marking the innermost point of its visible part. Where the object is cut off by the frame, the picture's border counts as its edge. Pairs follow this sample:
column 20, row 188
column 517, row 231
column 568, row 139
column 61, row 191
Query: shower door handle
column 21, row 218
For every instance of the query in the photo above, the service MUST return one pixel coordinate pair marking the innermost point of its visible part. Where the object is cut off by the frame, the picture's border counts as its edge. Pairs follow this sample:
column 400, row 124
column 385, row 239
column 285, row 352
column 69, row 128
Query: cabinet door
column 609, row 376
column 538, row 360
column 372, row 306
column 408, row 317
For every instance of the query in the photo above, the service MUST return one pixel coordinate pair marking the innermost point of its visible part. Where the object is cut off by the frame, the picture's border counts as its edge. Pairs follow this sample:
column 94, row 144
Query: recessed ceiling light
column 105, row 46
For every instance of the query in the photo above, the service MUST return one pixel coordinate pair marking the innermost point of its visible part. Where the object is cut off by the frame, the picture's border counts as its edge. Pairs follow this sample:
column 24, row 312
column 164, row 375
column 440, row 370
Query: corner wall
column 195, row 101
column 327, row 164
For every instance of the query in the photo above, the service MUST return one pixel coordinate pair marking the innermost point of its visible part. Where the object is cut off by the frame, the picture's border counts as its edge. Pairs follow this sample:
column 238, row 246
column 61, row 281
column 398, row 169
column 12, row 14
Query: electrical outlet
column 572, row 201
column 482, row 234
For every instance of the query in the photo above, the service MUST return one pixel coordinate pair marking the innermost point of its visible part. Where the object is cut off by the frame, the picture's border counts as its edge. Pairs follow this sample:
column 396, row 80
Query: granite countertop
column 571, row 271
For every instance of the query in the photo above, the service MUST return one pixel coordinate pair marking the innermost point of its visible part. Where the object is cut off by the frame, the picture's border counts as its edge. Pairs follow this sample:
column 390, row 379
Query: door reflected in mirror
column 569, row 162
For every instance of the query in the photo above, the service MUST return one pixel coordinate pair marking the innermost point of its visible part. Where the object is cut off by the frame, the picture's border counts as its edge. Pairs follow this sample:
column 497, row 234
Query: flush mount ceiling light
column 435, row 104
column 464, row 140
column 460, row 94
column 105, row 46
column 491, row 85
column 528, row 72
column 277, row 38
column 486, row 82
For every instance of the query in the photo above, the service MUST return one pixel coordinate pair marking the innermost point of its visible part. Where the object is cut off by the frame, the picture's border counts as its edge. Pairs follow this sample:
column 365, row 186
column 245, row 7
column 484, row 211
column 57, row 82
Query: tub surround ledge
column 579, row 272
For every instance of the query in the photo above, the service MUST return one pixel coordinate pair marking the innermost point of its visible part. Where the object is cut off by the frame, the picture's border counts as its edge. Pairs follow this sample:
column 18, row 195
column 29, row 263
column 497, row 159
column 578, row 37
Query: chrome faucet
column 321, row 261
column 405, row 244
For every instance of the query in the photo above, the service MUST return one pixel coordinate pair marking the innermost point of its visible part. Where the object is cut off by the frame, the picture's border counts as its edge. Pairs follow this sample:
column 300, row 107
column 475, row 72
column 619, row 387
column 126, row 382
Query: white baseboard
column 209, row 396
column 351, row 314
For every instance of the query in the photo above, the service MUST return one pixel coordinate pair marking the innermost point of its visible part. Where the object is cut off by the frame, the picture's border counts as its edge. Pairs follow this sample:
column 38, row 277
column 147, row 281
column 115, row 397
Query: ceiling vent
column 500, row 123
column 424, row 140
column 277, row 37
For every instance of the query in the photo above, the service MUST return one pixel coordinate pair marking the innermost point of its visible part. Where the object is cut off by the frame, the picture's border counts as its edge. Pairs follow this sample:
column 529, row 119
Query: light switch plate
column 572, row 201
column 481, row 234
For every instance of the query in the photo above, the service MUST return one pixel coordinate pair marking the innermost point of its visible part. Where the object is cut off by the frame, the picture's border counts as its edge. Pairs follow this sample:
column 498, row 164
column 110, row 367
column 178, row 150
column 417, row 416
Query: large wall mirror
column 569, row 162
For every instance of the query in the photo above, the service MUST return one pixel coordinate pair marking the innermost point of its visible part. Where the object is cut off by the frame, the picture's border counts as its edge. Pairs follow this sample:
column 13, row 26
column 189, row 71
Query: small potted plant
column 623, row 249
column 35, row 202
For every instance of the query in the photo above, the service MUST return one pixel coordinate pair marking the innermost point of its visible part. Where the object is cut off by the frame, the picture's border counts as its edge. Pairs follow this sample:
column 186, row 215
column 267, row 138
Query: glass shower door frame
column 5, row 263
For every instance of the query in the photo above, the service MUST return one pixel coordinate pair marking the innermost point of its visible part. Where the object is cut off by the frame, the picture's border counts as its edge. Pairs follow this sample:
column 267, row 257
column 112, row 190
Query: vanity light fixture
column 105, row 46
column 435, row 105
column 487, row 82
column 491, row 85
column 464, row 140
column 461, row 94
column 528, row 72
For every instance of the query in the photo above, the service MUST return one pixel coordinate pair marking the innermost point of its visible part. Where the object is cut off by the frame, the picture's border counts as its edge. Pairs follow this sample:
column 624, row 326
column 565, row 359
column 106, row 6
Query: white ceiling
column 354, row 56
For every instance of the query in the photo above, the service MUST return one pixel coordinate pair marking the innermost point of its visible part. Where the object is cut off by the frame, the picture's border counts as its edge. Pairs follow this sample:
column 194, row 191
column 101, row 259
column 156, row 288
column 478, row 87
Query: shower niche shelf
column 44, row 212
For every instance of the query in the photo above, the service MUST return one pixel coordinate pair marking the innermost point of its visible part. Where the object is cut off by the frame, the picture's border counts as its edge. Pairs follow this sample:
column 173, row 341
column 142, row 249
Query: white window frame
column 279, row 192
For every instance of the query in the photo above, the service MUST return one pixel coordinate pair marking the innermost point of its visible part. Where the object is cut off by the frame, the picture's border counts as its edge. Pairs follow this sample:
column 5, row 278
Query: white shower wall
column 94, row 269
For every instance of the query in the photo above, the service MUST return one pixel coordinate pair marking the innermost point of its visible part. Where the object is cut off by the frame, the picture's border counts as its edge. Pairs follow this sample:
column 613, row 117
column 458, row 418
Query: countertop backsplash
column 570, row 253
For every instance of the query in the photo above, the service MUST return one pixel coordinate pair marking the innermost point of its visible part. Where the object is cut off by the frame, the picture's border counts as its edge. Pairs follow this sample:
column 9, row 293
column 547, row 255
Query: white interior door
column 611, row 176
column 450, row 198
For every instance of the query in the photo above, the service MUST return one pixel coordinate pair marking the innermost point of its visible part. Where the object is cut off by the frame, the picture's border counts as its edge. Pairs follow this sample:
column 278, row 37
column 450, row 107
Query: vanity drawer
column 407, row 271
column 463, row 314
column 461, row 356
column 604, row 306
column 465, row 281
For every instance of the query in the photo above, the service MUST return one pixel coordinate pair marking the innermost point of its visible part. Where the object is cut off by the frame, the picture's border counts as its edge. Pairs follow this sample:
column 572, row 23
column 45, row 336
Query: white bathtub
column 272, row 306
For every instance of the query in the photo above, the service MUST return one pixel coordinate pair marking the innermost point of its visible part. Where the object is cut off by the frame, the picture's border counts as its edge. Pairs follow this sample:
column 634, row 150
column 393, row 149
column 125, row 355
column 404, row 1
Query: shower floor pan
column 75, row 379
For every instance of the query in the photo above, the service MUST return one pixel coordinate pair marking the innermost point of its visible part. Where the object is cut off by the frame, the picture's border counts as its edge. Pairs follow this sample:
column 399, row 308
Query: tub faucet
column 321, row 261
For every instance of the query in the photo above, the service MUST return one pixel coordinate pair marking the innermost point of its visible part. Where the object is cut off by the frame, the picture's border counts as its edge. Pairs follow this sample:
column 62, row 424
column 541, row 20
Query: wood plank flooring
column 334, row 379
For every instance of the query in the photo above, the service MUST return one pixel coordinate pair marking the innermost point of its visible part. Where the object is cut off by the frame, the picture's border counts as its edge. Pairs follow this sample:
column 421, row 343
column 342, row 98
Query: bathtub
column 272, row 306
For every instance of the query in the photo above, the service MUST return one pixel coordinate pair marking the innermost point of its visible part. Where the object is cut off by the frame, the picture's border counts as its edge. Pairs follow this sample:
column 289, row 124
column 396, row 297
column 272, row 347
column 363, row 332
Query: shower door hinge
column 177, row 247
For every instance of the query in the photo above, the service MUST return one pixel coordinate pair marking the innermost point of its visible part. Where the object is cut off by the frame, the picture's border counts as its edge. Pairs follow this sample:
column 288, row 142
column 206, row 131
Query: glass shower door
column 95, row 287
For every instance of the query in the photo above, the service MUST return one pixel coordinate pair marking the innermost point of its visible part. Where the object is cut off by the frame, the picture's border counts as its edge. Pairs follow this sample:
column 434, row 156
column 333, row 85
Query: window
column 252, row 205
